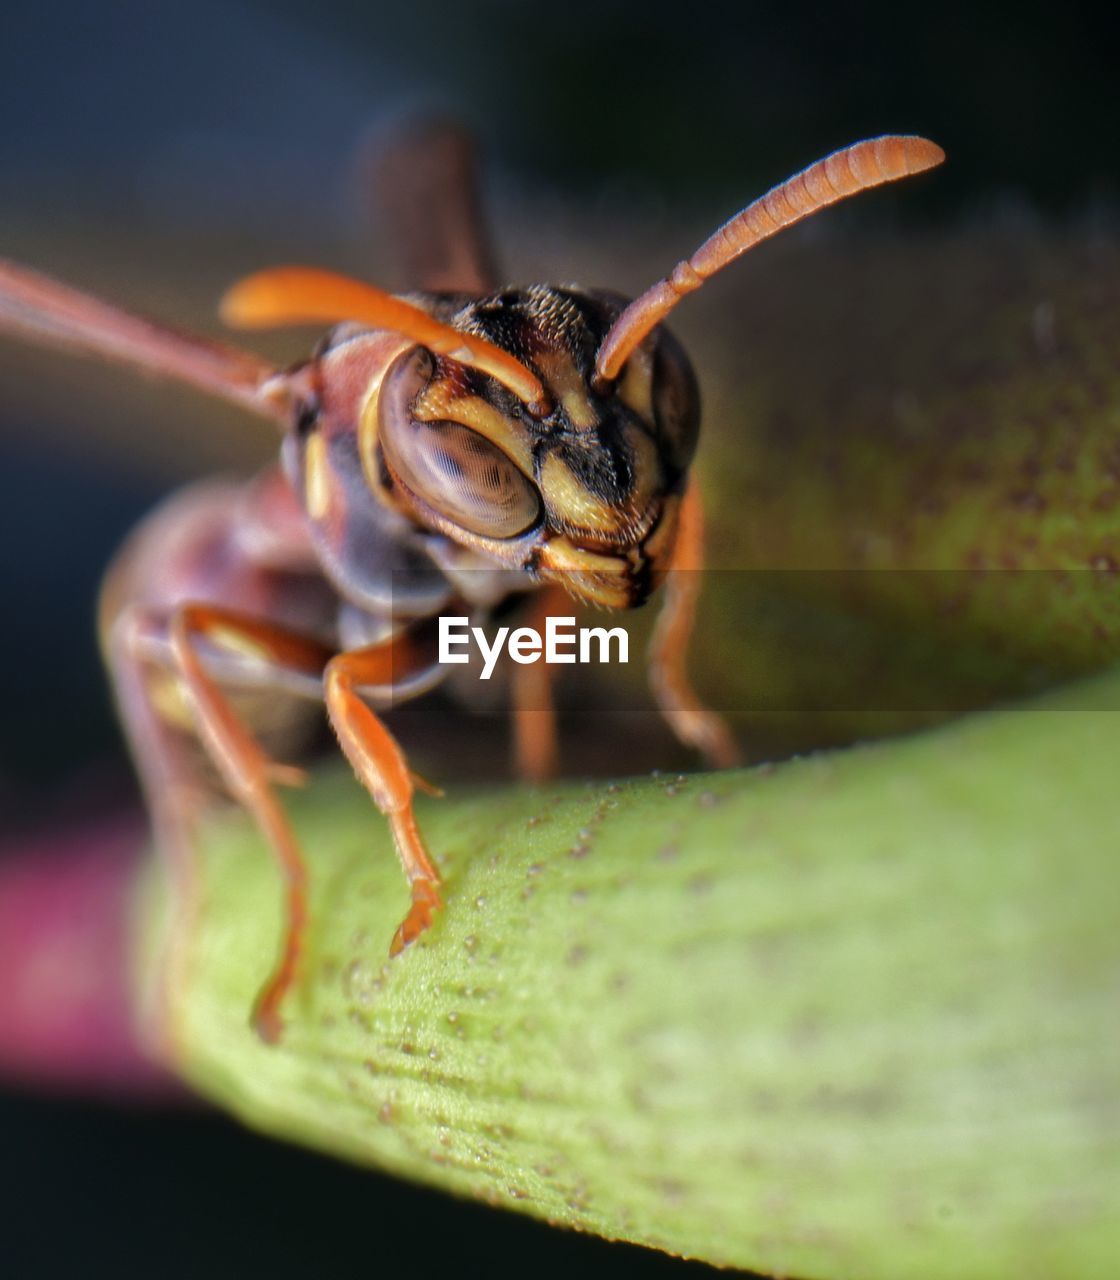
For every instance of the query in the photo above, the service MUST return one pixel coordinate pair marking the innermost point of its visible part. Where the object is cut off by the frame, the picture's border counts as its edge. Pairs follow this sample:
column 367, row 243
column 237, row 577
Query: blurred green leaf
column 911, row 456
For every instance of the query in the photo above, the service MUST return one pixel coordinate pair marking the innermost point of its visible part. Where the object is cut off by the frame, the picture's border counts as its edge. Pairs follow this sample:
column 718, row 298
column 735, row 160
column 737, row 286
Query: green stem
column 853, row 1016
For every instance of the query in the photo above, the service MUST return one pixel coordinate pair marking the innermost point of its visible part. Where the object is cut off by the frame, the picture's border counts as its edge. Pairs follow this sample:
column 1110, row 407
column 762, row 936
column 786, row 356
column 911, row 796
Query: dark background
column 151, row 151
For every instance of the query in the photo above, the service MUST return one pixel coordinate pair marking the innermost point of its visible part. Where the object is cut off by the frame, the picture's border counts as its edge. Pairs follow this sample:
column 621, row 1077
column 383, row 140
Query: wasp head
column 581, row 488
column 549, row 428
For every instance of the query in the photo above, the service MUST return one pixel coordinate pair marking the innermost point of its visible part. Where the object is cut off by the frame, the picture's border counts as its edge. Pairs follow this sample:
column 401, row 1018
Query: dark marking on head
column 541, row 319
column 307, row 416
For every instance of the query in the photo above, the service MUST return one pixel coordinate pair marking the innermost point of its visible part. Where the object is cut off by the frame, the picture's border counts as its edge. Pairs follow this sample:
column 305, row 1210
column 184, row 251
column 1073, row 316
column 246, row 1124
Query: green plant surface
column 911, row 454
column 852, row 1016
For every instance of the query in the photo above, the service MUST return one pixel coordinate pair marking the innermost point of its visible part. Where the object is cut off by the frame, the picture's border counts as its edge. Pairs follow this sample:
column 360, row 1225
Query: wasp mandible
column 452, row 448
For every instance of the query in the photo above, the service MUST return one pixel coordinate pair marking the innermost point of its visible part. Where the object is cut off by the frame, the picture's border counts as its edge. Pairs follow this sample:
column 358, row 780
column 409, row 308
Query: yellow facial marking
column 388, row 347
column 635, row 389
column 576, row 505
column 577, row 405
column 588, row 576
column 658, row 547
column 316, row 477
column 563, row 555
column 562, row 378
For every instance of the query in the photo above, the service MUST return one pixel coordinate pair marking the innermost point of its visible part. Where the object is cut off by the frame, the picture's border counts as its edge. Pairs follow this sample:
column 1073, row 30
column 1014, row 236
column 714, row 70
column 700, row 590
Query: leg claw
column 266, row 1020
column 425, row 903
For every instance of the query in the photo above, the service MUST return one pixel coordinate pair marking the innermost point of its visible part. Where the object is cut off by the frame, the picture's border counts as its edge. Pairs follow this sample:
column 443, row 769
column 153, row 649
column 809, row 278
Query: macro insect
column 450, row 450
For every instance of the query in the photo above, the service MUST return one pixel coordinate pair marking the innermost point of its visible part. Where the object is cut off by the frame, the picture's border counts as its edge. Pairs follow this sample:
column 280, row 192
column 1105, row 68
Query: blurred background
column 153, row 152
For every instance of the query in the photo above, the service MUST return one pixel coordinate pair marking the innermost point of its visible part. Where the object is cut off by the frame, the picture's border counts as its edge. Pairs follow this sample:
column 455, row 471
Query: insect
column 451, row 450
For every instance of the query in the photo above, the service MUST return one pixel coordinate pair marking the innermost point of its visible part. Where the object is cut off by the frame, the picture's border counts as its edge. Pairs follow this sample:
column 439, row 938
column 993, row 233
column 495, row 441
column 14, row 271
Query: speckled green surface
column 853, row 1016
column 912, row 454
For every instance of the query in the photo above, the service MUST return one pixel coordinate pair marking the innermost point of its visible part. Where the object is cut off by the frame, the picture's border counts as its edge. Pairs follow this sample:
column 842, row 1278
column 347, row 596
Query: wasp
column 455, row 448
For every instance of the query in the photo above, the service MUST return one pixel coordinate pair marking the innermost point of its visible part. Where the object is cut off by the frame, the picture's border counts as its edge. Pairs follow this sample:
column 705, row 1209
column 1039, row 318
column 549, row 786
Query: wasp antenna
column 842, row 174
column 36, row 307
column 306, row 295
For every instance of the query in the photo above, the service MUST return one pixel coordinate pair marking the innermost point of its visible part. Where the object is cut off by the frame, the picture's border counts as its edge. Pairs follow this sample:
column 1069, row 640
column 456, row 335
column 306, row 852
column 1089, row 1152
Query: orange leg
column 689, row 719
column 533, row 713
column 244, row 767
column 381, row 766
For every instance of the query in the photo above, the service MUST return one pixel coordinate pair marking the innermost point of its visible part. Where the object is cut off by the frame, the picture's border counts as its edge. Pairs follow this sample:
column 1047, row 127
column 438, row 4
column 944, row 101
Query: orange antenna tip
column 842, row 174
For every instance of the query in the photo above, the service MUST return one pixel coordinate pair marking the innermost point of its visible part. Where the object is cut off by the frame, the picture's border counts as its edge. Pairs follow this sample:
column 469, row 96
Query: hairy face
column 585, row 494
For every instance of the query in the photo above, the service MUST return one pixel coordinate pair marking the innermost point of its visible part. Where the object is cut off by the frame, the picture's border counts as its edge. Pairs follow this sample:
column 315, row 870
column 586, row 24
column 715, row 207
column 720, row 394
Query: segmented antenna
column 302, row 295
column 842, row 174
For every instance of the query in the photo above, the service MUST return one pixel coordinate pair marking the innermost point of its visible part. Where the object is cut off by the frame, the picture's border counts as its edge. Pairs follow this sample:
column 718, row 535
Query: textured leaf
column 852, row 1016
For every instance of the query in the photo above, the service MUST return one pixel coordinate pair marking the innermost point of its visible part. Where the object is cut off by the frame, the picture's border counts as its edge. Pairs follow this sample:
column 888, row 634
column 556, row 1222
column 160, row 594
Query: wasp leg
column 690, row 720
column 532, row 709
column 244, row 767
column 173, row 792
column 426, row 180
column 381, row 766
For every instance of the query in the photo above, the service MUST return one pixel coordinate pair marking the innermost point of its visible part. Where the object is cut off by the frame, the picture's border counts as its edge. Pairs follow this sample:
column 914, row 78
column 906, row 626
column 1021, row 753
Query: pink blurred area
column 66, row 1020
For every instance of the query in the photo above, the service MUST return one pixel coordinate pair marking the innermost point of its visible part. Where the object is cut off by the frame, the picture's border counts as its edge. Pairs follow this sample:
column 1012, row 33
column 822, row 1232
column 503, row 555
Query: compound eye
column 676, row 401
column 453, row 469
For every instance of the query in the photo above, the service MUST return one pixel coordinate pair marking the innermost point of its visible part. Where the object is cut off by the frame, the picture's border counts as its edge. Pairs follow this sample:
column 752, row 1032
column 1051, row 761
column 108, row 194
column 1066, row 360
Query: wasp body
column 445, row 451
